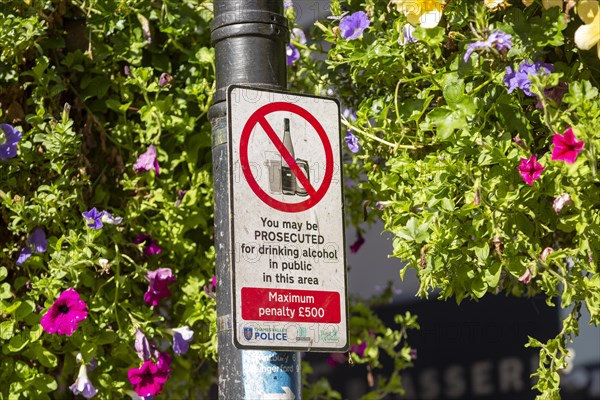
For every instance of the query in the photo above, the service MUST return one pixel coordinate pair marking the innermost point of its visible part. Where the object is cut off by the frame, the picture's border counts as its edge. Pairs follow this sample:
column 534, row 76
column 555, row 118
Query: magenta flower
column 65, row 314
column 566, row 147
column 530, row 169
column 150, row 378
column 358, row 244
column 36, row 243
column 8, row 147
column 336, row 358
column 214, row 281
column 358, row 349
column 83, row 384
column 158, row 288
column 181, row 339
column 147, row 161
column 353, row 25
column 150, row 246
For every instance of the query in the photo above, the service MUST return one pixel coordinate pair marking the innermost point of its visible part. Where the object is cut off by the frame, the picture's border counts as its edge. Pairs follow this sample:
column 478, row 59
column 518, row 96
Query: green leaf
column 7, row 329
column 446, row 121
column 413, row 232
column 106, row 337
column 5, row 292
column 88, row 351
column 18, row 343
column 3, row 273
column 24, row 310
column 482, row 252
column 45, row 383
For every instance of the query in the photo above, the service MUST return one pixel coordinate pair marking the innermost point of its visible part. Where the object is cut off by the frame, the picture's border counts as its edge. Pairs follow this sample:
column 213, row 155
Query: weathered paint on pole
column 250, row 38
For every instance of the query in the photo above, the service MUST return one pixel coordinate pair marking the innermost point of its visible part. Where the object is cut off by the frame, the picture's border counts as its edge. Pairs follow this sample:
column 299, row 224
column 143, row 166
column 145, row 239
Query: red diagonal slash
column 287, row 156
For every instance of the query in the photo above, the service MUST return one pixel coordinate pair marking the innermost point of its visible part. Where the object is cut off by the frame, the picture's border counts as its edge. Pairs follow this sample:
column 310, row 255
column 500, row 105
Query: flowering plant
column 479, row 145
column 105, row 200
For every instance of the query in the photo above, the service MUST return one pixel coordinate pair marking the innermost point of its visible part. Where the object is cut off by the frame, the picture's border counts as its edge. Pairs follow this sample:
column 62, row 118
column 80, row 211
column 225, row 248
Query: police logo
column 248, row 333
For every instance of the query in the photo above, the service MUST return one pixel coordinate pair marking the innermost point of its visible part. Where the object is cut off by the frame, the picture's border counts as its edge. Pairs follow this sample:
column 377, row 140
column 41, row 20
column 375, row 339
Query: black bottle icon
column 288, row 179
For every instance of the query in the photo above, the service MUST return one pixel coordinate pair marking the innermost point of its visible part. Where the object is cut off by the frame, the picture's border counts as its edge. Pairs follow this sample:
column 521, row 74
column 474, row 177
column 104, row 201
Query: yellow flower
column 427, row 13
column 588, row 35
column 495, row 5
column 552, row 3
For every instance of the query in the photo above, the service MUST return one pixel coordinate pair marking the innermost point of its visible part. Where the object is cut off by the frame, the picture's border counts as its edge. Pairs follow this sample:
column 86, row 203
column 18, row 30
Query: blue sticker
column 270, row 375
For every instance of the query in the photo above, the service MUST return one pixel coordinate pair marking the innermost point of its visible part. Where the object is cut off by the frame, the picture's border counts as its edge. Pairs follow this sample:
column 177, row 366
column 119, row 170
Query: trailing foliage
column 83, row 82
column 476, row 137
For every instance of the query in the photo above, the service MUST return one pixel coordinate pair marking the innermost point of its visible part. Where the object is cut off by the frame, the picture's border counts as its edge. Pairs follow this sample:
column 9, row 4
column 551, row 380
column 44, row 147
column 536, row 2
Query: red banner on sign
column 264, row 304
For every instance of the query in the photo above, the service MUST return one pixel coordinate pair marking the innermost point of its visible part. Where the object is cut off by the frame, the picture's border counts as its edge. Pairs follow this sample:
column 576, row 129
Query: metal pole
column 250, row 38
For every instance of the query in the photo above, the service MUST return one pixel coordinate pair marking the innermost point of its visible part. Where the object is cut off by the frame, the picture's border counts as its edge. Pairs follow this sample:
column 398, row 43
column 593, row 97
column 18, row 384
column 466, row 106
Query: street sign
column 287, row 225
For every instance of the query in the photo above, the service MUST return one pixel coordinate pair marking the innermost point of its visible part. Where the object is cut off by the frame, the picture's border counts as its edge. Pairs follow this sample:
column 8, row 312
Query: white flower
column 83, row 384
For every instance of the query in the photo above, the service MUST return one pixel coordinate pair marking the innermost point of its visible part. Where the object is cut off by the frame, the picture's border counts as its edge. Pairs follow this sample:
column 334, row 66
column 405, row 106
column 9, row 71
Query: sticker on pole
column 287, row 224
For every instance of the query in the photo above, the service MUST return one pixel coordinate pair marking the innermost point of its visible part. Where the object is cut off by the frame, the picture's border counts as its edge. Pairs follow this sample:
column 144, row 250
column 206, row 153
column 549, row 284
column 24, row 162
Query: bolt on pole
column 250, row 38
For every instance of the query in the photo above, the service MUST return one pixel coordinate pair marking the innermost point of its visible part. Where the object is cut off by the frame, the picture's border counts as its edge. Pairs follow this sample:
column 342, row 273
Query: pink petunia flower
column 65, row 314
column 354, row 247
column 147, row 161
column 150, row 246
column 150, row 378
column 561, row 201
column 530, row 169
column 566, row 147
column 158, row 287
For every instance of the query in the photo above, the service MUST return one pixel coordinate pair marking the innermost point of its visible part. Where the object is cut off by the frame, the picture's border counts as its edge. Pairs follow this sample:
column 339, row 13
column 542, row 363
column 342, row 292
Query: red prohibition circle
column 259, row 117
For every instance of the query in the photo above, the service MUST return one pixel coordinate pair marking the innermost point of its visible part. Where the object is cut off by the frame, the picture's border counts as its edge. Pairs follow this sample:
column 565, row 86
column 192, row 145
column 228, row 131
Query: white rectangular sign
column 287, row 223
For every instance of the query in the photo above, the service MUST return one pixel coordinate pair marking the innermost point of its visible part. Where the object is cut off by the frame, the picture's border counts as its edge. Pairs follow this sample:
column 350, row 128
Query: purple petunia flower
column 165, row 79
column 180, row 194
column 350, row 114
column 381, row 205
column 107, row 218
column 352, row 142
column 158, row 287
column 150, row 246
column 36, row 243
column 292, row 54
column 555, row 94
column 407, row 35
column 93, row 218
column 83, row 384
column 287, row 4
column 353, row 25
column 141, row 345
column 64, row 316
column 181, row 339
column 8, row 149
column 521, row 79
column 147, row 161
column 498, row 40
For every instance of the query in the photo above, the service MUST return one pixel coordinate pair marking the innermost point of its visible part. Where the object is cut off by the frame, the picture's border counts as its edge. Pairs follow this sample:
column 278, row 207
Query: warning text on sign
column 262, row 304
